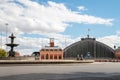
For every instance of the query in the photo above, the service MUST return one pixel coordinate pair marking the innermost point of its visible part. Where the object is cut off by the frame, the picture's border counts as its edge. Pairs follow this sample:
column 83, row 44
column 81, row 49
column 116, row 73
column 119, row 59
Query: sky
column 33, row 22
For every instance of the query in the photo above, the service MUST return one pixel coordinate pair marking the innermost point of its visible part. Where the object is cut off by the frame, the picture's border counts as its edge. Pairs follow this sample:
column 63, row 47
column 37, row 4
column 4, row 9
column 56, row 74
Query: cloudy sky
column 35, row 21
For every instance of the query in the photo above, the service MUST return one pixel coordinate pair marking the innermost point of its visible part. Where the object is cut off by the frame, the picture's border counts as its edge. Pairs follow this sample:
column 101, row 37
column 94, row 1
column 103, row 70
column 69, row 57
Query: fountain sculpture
column 12, row 45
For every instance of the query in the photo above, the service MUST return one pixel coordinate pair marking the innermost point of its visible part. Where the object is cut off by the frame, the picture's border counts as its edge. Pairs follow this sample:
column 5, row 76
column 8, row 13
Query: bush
column 3, row 53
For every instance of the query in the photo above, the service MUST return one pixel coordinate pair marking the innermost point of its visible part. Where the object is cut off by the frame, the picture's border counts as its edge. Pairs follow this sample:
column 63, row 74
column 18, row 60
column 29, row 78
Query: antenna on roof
column 88, row 35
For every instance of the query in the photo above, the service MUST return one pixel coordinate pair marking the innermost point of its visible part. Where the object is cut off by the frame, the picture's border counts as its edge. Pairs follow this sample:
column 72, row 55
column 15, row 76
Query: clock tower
column 51, row 42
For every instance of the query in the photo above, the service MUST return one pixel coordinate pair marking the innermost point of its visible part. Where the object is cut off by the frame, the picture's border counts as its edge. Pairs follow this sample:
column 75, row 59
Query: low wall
column 17, row 58
column 44, row 61
column 107, row 60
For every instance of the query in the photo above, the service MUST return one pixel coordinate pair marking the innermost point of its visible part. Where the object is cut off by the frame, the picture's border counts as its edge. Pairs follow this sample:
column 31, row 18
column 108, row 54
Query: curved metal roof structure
column 89, row 45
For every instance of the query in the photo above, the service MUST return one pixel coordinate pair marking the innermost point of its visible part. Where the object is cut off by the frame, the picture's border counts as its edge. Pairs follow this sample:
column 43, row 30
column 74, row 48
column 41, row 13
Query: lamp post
column 94, row 49
column 1, row 37
column 6, row 33
column 65, row 45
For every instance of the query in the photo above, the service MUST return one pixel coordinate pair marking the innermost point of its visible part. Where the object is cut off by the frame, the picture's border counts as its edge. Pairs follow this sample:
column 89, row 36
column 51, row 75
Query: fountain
column 12, row 45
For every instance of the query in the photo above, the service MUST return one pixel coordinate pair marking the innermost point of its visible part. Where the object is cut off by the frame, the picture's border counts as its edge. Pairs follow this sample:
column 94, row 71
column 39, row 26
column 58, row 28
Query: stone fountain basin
column 12, row 44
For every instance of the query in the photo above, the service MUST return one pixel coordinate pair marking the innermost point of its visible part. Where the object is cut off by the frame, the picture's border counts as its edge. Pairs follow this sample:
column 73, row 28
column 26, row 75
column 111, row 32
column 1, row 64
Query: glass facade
column 89, row 46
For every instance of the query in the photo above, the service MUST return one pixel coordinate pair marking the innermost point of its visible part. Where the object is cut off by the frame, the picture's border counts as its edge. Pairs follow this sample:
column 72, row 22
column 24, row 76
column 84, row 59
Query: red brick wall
column 51, row 55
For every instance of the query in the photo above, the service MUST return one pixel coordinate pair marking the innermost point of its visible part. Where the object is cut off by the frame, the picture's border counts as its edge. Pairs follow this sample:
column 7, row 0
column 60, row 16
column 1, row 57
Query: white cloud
column 81, row 8
column 26, row 16
column 118, row 32
column 32, row 17
column 110, row 40
column 29, row 45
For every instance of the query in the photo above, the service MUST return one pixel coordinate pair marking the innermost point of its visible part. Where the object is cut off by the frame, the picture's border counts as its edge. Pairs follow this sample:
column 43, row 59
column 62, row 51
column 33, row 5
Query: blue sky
column 99, row 8
column 35, row 21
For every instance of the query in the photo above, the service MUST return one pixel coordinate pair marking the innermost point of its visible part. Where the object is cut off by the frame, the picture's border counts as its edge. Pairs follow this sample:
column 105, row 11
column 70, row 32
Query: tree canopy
column 3, row 53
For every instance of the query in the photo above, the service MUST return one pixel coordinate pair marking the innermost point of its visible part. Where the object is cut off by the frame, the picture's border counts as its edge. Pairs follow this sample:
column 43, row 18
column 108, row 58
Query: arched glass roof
column 95, row 48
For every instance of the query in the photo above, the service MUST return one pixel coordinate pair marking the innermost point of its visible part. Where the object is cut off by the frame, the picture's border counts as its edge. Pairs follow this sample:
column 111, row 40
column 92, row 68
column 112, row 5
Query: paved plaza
column 83, row 71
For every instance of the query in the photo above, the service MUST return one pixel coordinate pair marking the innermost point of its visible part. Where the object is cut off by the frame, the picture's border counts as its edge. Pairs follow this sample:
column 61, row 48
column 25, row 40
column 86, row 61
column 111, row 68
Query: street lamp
column 1, row 37
column 94, row 48
column 6, row 33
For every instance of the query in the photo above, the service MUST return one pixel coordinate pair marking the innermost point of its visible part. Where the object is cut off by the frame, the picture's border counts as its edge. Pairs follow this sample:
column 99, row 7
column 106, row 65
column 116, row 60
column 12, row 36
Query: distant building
column 36, row 54
column 89, row 48
column 51, row 52
column 17, row 54
column 117, row 53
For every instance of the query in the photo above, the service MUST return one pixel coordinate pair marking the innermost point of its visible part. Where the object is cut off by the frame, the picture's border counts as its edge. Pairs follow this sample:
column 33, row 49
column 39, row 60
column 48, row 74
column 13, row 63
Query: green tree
column 3, row 53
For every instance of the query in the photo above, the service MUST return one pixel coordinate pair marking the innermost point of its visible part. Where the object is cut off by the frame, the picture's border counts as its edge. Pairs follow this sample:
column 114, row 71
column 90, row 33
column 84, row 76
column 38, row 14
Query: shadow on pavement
column 71, row 76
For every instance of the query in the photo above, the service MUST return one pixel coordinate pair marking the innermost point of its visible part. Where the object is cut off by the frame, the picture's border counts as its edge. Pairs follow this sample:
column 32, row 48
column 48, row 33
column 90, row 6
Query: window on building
column 42, row 56
column 55, row 57
column 51, row 49
column 60, row 49
column 51, row 56
column 47, row 49
column 42, row 50
column 46, row 56
column 60, row 57
column 55, row 49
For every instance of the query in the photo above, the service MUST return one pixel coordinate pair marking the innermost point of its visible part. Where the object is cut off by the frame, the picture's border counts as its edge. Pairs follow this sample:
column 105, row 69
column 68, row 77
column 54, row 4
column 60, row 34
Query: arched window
column 42, row 56
column 55, row 57
column 51, row 56
column 60, row 57
column 46, row 56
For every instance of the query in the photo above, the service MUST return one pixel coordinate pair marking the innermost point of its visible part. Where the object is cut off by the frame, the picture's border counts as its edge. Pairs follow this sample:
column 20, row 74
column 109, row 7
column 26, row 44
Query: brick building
column 51, row 52
column 117, row 53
